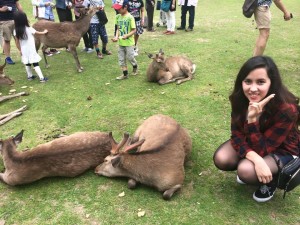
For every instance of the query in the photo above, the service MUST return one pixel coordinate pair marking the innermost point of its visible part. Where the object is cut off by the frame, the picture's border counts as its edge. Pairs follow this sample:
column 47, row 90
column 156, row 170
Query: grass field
column 222, row 40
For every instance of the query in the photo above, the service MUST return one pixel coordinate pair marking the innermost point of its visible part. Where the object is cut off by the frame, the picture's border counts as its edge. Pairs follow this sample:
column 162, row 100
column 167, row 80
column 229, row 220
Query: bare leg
column 261, row 41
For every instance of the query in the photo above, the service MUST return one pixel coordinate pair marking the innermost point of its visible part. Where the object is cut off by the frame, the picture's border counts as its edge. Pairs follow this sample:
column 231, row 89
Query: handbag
column 102, row 17
column 249, row 7
column 289, row 176
column 165, row 5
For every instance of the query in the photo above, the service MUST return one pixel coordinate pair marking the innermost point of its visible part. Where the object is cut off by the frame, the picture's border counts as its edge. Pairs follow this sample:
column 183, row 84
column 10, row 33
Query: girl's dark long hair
column 21, row 22
column 239, row 102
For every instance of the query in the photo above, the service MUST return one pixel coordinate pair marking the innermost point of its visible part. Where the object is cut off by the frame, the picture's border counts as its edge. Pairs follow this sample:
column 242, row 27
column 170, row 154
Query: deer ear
column 116, row 161
column 18, row 138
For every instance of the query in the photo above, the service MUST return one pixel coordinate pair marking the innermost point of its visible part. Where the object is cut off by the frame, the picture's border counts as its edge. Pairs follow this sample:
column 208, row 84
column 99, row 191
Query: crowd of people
column 265, row 114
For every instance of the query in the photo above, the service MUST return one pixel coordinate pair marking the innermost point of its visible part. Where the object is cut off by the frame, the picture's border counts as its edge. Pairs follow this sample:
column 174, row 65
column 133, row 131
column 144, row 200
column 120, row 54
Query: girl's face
column 256, row 85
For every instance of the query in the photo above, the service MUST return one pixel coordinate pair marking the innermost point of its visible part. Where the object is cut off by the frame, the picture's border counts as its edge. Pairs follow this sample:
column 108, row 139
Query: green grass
column 221, row 42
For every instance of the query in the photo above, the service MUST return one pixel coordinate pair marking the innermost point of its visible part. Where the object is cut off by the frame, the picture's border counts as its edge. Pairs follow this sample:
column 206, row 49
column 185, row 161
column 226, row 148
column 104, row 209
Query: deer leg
column 74, row 53
column 5, row 118
column 4, row 98
column 169, row 193
column 44, row 54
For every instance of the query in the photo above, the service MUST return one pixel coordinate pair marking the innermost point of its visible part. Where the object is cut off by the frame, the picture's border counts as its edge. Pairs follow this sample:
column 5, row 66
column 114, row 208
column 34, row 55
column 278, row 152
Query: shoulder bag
column 249, row 7
column 289, row 176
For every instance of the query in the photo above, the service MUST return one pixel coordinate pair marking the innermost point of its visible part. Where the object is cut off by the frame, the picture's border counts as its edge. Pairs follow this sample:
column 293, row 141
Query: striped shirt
column 279, row 135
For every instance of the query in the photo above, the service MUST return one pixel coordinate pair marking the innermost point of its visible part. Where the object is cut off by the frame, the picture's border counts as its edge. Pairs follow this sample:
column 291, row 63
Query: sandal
column 106, row 52
column 100, row 56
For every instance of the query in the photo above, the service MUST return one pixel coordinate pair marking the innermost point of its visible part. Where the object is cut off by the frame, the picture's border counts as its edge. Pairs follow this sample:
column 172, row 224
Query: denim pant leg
column 191, row 10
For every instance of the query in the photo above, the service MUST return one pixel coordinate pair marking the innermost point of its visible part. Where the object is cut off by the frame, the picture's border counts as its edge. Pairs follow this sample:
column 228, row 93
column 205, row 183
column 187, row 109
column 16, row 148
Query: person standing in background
column 87, row 37
column 187, row 6
column 136, row 9
column 7, row 26
column 171, row 21
column 43, row 10
column 262, row 15
column 63, row 8
column 150, row 4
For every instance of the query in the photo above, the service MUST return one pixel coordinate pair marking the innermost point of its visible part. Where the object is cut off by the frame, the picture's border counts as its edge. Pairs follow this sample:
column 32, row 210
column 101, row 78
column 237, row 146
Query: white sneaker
column 239, row 180
column 89, row 50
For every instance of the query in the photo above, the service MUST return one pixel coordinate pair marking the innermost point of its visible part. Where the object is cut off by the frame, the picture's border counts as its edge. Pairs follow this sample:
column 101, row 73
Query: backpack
column 249, row 7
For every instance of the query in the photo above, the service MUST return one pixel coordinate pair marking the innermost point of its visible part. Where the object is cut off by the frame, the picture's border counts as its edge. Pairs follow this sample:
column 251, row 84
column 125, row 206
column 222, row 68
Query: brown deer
column 167, row 70
column 5, row 80
column 67, row 156
column 65, row 34
column 160, row 147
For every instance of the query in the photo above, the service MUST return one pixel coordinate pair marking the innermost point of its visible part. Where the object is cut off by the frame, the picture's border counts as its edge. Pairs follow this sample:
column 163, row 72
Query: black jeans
column 64, row 14
column 184, row 10
column 87, row 37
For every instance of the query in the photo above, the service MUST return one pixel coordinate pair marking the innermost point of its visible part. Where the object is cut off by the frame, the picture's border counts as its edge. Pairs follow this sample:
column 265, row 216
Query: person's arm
column 142, row 16
column 41, row 32
column 173, row 4
column 286, row 13
column 19, row 6
column 18, row 45
column 262, row 170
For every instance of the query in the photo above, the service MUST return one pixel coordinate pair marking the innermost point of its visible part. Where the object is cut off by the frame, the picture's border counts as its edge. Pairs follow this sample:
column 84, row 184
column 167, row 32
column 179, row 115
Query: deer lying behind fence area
column 161, row 147
column 65, row 34
column 172, row 69
column 67, row 156
column 5, row 80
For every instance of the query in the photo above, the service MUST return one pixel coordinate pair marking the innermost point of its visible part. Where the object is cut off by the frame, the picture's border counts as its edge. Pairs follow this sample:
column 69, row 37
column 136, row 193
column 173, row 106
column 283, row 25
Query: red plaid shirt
column 279, row 136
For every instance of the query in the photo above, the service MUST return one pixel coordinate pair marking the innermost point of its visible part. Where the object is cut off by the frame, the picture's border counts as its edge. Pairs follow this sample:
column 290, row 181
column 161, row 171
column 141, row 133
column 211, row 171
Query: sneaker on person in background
column 48, row 53
column 89, row 50
column 135, row 71
column 9, row 61
column 264, row 193
column 188, row 30
column 122, row 77
column 31, row 78
column 45, row 79
column 54, row 51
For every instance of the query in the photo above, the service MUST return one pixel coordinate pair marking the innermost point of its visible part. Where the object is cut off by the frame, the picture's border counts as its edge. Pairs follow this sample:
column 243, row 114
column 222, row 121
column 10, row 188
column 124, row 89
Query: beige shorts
column 262, row 17
column 7, row 29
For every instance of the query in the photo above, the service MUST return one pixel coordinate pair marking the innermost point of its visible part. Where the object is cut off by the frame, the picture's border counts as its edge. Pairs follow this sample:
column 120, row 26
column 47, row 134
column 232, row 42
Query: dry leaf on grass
column 122, row 194
column 141, row 213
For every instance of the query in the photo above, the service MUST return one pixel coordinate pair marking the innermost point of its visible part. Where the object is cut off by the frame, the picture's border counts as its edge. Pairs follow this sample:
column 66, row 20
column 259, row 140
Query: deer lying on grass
column 161, row 147
column 65, row 34
column 167, row 70
column 5, row 80
column 67, row 156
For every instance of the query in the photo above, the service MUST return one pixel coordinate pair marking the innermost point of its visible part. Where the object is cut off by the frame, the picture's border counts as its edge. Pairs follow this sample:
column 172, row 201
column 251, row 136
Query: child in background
column 25, row 43
column 124, row 35
column 136, row 9
column 98, row 29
